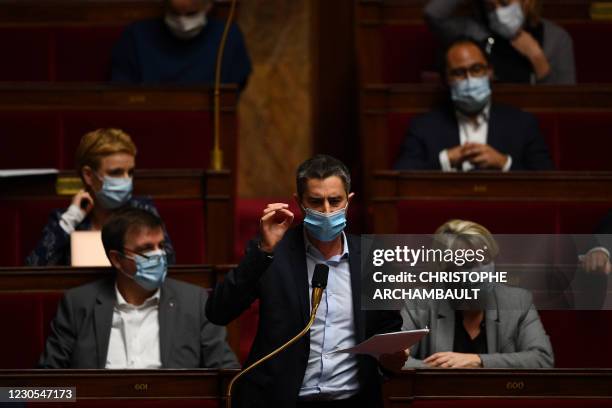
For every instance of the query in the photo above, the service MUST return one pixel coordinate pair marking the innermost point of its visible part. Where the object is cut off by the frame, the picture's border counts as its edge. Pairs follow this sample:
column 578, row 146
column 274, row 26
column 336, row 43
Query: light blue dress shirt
column 331, row 376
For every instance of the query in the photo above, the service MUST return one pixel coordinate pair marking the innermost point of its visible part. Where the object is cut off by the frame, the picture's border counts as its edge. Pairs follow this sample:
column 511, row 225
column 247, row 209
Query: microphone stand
column 317, row 295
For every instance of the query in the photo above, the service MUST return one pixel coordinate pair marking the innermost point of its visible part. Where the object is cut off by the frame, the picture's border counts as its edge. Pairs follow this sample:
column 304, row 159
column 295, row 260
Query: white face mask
column 508, row 20
column 186, row 27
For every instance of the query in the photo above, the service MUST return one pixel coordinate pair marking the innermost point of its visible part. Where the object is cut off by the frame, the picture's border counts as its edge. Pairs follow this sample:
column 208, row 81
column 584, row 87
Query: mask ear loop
column 127, row 275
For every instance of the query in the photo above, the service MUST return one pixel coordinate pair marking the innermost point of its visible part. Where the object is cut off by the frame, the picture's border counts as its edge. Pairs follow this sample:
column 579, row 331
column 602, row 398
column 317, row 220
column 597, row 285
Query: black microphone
column 319, row 283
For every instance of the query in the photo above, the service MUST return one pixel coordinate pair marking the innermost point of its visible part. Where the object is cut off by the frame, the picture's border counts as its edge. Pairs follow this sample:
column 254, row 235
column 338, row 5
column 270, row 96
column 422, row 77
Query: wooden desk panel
column 399, row 391
column 417, row 98
column 124, row 384
column 50, row 96
column 402, row 390
column 51, row 13
column 515, row 186
column 60, row 278
column 392, row 187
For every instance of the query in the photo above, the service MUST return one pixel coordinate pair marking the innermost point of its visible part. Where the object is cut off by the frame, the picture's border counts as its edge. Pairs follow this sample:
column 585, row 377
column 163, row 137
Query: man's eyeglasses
column 164, row 247
column 475, row 71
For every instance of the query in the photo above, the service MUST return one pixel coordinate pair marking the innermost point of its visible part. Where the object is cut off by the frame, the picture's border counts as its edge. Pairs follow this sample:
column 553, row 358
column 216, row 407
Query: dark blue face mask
column 325, row 226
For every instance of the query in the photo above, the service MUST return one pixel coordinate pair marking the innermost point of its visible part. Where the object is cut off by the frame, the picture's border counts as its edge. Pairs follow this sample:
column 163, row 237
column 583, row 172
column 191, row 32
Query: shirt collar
column 481, row 118
column 150, row 301
column 314, row 252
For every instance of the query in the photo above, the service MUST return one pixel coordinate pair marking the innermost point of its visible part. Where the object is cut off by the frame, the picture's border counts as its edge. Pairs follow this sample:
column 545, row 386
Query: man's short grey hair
column 321, row 167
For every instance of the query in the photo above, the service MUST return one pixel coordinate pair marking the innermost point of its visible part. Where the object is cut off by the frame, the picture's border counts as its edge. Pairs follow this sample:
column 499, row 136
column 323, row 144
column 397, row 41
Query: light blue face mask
column 325, row 227
column 115, row 192
column 151, row 269
column 471, row 95
column 507, row 21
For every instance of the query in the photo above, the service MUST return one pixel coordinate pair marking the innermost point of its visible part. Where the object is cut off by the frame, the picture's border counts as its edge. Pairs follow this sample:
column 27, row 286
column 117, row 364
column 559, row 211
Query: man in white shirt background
column 136, row 318
column 472, row 132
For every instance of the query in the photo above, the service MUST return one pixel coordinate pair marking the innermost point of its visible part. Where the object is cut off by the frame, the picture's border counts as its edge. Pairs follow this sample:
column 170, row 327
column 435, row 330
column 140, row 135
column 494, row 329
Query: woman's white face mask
column 186, row 27
column 508, row 20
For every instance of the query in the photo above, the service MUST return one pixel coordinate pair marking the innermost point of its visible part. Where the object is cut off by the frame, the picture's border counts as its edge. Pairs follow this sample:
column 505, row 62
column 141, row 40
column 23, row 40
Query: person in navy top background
column 180, row 48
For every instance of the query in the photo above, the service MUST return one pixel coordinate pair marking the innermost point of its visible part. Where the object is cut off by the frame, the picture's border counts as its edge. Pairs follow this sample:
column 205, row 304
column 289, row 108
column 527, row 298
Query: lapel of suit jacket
column 103, row 319
column 492, row 322
column 444, row 327
column 299, row 270
column 495, row 130
column 451, row 135
column 167, row 317
column 354, row 244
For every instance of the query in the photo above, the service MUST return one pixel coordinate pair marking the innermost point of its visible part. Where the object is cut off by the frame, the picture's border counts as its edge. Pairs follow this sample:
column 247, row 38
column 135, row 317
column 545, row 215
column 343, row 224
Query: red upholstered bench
column 584, row 140
column 78, row 54
column 26, row 53
column 184, row 221
column 31, row 140
column 569, row 153
column 409, row 50
column 23, row 221
column 589, row 331
column 25, row 314
column 83, row 54
column 424, row 216
column 592, row 65
column 165, row 139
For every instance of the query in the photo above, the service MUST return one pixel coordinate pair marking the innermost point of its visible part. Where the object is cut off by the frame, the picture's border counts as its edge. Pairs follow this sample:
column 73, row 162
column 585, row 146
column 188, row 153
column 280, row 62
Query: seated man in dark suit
column 277, row 269
column 472, row 133
column 135, row 318
column 181, row 48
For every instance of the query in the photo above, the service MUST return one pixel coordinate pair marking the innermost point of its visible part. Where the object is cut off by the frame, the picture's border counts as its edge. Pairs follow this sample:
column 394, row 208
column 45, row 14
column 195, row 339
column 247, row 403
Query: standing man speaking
column 277, row 269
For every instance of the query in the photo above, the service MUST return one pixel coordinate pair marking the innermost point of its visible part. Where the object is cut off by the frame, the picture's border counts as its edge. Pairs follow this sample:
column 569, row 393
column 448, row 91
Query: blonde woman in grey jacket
column 506, row 332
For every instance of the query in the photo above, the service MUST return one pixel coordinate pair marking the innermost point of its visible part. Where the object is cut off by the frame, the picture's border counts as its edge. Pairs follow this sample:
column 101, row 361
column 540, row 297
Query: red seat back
column 77, row 54
column 23, row 222
column 577, row 141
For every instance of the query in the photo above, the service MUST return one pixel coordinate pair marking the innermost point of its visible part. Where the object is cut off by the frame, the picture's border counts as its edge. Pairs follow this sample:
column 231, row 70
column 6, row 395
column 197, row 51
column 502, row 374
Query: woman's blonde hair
column 96, row 145
column 476, row 235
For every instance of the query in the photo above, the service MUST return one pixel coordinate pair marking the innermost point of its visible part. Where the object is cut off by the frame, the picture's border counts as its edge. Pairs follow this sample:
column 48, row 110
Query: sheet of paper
column 26, row 172
column 386, row 343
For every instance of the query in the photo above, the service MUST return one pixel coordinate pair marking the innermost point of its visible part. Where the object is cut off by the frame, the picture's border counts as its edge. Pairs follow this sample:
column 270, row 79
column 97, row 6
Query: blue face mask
column 151, row 269
column 115, row 192
column 325, row 227
column 471, row 95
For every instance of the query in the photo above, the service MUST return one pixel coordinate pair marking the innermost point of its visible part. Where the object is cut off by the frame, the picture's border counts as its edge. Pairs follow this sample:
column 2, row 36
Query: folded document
column 387, row 343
